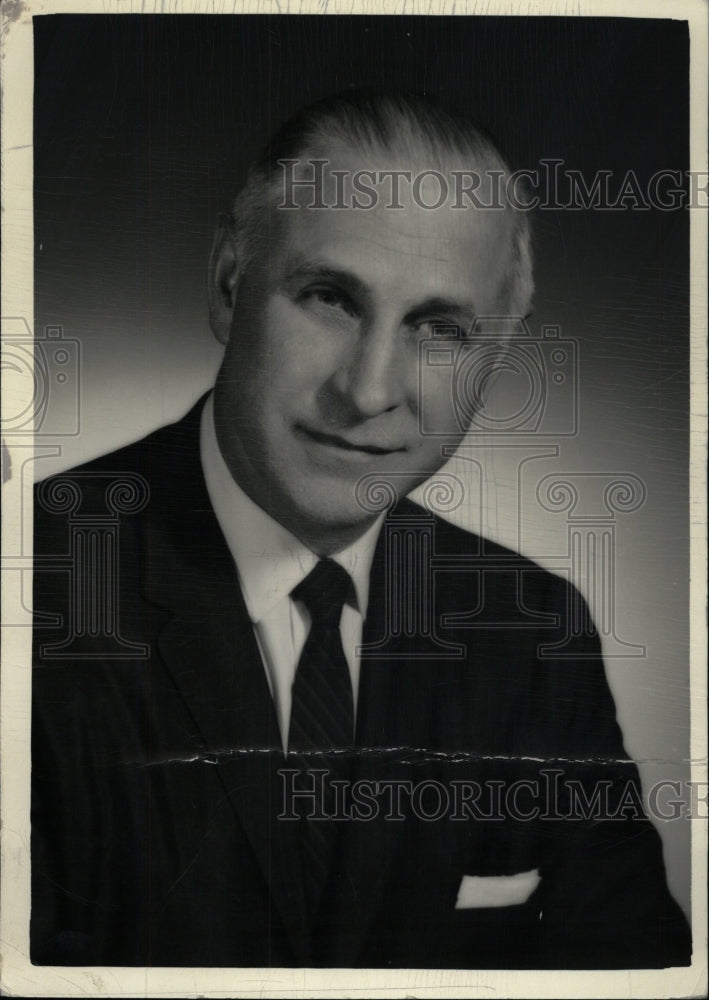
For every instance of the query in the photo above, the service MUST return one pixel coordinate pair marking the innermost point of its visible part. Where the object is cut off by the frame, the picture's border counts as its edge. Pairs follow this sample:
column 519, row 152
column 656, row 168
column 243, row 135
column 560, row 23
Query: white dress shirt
column 270, row 562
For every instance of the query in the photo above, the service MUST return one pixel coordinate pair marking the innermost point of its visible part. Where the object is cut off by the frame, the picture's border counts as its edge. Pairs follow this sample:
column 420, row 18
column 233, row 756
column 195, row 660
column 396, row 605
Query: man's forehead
column 404, row 196
column 442, row 234
column 378, row 234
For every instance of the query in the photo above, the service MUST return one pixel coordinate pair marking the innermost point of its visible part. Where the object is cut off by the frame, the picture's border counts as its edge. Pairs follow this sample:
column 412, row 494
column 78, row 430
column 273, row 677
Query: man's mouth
column 335, row 441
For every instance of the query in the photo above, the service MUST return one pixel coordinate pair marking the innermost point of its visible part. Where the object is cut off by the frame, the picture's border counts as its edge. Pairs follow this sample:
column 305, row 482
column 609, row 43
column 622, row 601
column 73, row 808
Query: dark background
column 143, row 128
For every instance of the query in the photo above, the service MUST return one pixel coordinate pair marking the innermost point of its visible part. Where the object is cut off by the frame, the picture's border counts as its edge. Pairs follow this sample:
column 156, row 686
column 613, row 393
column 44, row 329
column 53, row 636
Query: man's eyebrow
column 314, row 270
column 463, row 313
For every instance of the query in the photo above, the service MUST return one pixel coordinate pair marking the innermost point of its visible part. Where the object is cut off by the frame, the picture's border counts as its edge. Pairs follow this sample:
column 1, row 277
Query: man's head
column 324, row 291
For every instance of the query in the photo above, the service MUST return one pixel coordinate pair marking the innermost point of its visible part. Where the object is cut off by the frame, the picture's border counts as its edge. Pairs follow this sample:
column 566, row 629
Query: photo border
column 19, row 976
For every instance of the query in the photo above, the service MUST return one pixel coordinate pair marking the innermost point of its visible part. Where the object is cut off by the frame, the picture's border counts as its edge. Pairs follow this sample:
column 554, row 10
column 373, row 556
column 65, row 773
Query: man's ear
column 223, row 279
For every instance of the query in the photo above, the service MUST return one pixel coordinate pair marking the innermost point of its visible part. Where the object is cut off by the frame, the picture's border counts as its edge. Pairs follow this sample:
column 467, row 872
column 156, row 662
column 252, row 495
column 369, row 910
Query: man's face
column 320, row 384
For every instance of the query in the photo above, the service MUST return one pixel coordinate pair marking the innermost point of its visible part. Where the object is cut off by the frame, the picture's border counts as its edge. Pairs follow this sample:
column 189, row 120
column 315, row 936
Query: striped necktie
column 322, row 719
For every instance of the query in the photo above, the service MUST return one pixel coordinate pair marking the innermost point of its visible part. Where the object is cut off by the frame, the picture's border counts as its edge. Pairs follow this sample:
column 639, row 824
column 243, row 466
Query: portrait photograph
column 354, row 523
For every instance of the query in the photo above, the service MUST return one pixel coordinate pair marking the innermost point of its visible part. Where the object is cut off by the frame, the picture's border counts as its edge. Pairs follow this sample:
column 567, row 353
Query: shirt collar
column 270, row 560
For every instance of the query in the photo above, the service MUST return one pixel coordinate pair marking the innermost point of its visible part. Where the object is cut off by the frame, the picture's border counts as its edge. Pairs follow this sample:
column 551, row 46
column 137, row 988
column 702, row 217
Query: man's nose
column 371, row 378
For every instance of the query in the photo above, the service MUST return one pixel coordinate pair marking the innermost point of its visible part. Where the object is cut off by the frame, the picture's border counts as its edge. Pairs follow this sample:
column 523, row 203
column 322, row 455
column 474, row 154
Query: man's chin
column 337, row 517
column 327, row 521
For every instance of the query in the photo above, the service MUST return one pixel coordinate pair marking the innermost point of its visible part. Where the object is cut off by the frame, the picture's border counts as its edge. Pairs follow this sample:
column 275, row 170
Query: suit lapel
column 210, row 651
column 220, row 677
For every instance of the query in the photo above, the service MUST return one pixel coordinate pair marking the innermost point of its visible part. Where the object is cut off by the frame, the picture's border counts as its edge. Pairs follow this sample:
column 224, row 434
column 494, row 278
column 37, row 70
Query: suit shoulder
column 113, row 478
column 451, row 539
column 503, row 568
column 130, row 457
column 168, row 454
column 125, row 458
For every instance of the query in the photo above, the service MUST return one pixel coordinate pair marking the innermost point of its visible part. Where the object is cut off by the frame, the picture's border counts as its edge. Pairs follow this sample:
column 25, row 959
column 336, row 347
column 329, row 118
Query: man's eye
column 333, row 298
column 439, row 329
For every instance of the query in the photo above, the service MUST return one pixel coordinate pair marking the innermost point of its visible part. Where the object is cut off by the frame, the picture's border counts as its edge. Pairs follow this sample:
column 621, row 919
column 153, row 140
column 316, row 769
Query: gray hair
column 398, row 123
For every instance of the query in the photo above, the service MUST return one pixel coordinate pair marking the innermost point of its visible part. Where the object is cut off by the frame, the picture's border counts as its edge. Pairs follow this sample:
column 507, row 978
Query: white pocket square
column 477, row 891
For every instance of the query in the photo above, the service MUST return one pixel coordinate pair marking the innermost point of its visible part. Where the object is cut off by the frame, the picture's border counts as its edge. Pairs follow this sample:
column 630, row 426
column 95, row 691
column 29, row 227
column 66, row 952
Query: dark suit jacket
column 156, row 752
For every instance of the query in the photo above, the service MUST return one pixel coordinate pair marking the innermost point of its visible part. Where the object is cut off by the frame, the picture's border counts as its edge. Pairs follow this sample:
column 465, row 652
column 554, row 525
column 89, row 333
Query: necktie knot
column 323, row 592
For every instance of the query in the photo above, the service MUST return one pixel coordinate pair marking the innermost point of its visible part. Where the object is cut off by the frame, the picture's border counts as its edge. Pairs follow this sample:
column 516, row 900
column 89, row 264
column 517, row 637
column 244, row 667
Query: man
column 241, row 757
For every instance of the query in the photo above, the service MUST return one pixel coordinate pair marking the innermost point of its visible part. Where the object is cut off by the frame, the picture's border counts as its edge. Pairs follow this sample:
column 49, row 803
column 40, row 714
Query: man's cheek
column 298, row 351
column 438, row 413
